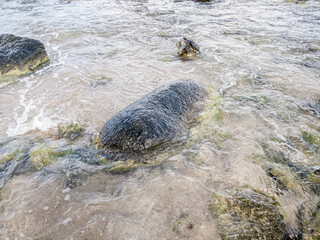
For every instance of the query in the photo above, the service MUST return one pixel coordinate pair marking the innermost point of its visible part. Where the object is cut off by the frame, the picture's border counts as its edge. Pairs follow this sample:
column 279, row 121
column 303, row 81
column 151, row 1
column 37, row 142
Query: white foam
column 40, row 122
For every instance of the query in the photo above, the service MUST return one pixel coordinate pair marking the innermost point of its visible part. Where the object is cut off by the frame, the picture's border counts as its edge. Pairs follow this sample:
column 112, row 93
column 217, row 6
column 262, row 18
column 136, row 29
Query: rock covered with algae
column 13, row 152
column 70, row 131
column 187, row 49
column 20, row 55
column 247, row 214
column 158, row 117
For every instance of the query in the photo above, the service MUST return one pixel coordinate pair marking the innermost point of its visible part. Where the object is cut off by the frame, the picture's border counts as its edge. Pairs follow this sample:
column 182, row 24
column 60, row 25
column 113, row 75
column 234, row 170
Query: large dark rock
column 19, row 55
column 158, row 117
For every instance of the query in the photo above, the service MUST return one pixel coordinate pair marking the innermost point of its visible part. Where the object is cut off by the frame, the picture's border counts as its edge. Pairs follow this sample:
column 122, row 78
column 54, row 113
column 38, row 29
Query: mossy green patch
column 210, row 120
column 213, row 107
column 101, row 77
column 312, row 143
column 275, row 155
column 311, row 138
column 122, row 167
column 9, row 157
column 284, row 176
column 254, row 98
column 27, row 69
column 70, row 131
column 13, row 149
column 247, row 214
column 43, row 155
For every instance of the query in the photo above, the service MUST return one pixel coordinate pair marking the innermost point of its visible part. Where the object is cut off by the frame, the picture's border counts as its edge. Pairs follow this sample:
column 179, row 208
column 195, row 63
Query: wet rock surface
column 71, row 131
column 158, row 117
column 187, row 49
column 247, row 214
column 13, row 155
column 19, row 55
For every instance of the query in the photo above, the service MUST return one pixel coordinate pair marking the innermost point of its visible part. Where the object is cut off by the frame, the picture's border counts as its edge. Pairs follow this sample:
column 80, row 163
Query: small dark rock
column 76, row 177
column 302, row 174
column 316, row 170
column 70, row 132
column 293, row 234
column 19, row 55
column 314, row 107
column 187, row 49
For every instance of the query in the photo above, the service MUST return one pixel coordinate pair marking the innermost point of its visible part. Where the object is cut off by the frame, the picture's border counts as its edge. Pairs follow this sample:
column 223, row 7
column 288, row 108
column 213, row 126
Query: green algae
column 275, row 155
column 246, row 214
column 312, row 144
column 101, row 77
column 13, row 149
column 70, row 131
column 312, row 139
column 254, row 98
column 309, row 221
column 26, row 69
column 123, row 167
column 279, row 167
column 213, row 107
column 43, row 155
column 210, row 120
column 9, row 157
column 284, row 176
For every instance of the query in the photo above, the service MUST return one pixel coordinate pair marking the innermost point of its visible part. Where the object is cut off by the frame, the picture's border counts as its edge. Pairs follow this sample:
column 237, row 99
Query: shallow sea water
column 261, row 58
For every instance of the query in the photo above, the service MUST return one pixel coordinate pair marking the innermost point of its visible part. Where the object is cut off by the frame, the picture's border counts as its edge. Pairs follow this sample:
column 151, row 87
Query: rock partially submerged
column 71, row 131
column 158, row 117
column 248, row 215
column 13, row 153
column 187, row 49
column 19, row 55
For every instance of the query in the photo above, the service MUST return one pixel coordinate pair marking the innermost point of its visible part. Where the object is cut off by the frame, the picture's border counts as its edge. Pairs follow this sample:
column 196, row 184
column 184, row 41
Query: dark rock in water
column 71, row 131
column 76, row 177
column 316, row 170
column 158, row 117
column 187, row 49
column 13, row 153
column 314, row 106
column 293, row 234
column 19, row 55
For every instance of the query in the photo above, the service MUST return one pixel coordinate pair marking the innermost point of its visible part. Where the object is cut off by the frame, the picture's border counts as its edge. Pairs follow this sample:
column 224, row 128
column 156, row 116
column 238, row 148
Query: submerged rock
column 158, row 117
column 248, row 215
column 13, row 152
column 187, row 49
column 42, row 155
column 19, row 55
column 71, row 131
